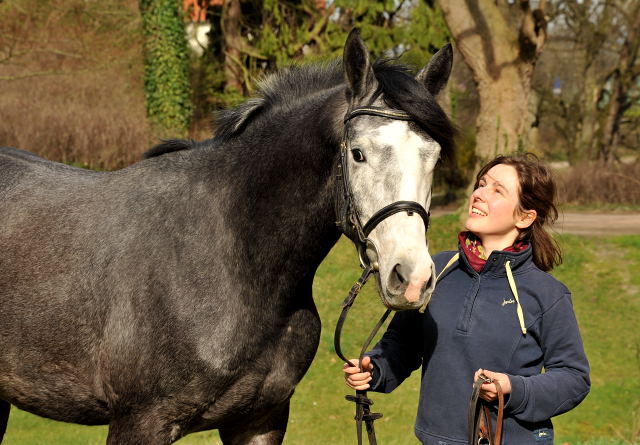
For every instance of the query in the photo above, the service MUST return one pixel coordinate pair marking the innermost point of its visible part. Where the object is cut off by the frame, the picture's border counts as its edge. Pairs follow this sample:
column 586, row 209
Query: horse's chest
column 268, row 374
column 286, row 360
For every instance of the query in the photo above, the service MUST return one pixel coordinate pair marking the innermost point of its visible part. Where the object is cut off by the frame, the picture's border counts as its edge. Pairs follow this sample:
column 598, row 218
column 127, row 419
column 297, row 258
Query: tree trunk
column 505, row 120
column 585, row 141
column 501, row 59
column 232, row 38
column 624, row 78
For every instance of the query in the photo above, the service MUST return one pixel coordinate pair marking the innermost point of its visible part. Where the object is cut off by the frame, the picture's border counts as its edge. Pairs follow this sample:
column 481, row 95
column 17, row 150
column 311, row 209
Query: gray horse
column 174, row 295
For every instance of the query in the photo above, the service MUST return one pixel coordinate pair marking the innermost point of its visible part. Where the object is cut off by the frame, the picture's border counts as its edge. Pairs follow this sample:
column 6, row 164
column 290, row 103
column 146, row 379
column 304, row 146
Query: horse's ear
column 435, row 74
column 357, row 66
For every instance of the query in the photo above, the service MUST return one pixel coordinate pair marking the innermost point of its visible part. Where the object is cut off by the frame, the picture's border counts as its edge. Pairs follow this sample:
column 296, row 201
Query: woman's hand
column 354, row 378
column 488, row 391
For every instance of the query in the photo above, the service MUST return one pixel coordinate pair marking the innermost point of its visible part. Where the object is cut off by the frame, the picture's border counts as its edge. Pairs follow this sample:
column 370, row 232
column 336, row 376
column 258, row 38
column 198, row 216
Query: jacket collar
column 495, row 266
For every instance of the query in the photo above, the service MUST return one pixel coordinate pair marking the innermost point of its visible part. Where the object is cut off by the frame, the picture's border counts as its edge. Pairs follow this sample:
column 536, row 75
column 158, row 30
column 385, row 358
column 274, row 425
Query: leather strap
column 350, row 224
column 479, row 419
column 363, row 403
column 410, row 207
column 377, row 111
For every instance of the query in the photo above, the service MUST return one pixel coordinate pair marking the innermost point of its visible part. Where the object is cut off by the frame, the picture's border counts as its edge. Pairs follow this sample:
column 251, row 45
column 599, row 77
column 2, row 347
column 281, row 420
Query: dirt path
column 587, row 223
column 582, row 223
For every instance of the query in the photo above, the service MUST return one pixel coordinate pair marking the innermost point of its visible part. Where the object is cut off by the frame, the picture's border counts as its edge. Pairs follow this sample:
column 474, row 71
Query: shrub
column 166, row 67
column 599, row 183
column 71, row 80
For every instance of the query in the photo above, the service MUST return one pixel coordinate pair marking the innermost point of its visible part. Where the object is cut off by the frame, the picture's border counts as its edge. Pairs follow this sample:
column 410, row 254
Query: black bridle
column 348, row 219
column 350, row 224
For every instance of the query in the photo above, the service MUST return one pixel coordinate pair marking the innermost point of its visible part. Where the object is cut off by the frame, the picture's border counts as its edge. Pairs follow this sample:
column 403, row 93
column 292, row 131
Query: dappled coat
column 471, row 323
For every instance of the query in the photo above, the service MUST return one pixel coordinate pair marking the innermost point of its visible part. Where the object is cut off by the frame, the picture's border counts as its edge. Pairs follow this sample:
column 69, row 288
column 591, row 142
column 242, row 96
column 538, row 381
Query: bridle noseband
column 350, row 224
column 348, row 219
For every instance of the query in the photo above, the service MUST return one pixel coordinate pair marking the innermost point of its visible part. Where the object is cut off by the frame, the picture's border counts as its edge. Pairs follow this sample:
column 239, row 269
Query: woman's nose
column 478, row 194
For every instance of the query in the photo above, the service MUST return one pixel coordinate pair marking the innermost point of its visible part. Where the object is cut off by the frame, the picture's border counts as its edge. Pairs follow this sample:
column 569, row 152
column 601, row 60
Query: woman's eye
column 358, row 156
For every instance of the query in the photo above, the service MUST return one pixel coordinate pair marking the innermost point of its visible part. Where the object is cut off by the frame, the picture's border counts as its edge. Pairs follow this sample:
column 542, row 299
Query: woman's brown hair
column 537, row 191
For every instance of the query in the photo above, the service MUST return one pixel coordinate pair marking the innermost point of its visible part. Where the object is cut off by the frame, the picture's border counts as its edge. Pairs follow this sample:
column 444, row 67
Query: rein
column 479, row 421
column 351, row 225
column 363, row 412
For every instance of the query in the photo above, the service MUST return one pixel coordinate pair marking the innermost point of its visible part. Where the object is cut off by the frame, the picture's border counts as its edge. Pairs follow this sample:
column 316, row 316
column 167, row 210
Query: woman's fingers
column 363, row 387
column 366, row 364
column 359, row 385
column 488, row 391
column 359, row 378
column 354, row 377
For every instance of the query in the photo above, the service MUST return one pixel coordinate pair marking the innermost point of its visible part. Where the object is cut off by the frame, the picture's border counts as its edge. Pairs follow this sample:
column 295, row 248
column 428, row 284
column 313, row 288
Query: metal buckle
column 368, row 255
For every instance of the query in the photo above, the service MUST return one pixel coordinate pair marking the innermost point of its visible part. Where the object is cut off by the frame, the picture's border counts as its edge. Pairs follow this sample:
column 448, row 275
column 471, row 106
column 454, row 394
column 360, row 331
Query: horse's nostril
column 398, row 273
column 429, row 282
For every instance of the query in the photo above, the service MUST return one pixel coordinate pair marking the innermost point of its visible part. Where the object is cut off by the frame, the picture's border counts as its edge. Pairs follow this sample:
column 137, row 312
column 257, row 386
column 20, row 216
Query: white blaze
column 399, row 167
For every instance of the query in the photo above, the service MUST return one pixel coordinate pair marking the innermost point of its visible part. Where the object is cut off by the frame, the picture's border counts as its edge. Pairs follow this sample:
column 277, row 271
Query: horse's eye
column 358, row 156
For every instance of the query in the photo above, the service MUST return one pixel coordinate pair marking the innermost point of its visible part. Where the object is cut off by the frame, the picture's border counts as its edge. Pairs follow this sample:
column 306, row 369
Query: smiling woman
column 524, row 189
column 493, row 209
column 495, row 311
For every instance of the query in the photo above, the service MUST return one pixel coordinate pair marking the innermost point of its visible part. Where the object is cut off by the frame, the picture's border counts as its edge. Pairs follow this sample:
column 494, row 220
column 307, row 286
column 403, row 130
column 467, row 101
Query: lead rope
column 363, row 403
column 479, row 419
column 363, row 412
column 480, row 428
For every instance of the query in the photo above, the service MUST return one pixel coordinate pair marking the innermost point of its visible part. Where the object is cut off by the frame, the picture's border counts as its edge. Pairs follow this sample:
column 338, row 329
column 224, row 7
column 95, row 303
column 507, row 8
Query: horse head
column 394, row 134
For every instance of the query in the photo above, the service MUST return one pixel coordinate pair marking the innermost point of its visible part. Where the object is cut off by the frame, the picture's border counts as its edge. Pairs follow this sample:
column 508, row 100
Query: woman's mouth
column 476, row 211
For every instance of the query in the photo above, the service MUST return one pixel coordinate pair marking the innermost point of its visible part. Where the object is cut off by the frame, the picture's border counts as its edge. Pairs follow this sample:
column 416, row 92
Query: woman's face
column 492, row 207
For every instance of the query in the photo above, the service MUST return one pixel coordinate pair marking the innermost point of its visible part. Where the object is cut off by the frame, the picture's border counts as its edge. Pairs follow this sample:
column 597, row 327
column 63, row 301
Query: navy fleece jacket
column 471, row 323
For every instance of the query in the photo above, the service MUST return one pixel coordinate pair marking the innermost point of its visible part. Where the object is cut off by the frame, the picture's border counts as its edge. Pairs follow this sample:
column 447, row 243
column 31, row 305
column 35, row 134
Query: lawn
column 601, row 272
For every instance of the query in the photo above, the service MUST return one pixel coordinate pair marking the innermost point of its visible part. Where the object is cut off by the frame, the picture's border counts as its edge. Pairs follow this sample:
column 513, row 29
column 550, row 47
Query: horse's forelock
column 401, row 90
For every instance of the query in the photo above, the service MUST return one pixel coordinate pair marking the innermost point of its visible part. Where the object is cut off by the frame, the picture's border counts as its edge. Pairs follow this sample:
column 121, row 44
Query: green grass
column 603, row 276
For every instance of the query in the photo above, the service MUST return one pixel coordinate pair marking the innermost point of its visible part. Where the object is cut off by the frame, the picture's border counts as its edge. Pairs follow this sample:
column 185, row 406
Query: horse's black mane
column 169, row 147
column 298, row 83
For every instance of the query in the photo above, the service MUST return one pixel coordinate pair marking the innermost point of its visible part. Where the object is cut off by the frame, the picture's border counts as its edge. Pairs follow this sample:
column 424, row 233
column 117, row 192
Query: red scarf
column 475, row 253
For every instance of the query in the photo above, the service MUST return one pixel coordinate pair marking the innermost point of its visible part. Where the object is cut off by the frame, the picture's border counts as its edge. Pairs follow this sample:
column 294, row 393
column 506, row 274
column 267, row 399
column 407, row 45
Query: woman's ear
column 526, row 218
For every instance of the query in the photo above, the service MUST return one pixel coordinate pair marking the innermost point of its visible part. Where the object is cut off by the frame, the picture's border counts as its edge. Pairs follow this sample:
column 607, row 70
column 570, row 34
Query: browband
column 376, row 111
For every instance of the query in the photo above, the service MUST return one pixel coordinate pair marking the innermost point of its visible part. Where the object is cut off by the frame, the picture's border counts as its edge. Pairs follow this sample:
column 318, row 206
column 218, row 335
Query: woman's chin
column 471, row 225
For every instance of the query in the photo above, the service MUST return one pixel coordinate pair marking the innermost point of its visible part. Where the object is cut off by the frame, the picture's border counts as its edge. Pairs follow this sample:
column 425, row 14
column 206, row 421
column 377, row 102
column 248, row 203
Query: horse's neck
column 284, row 188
